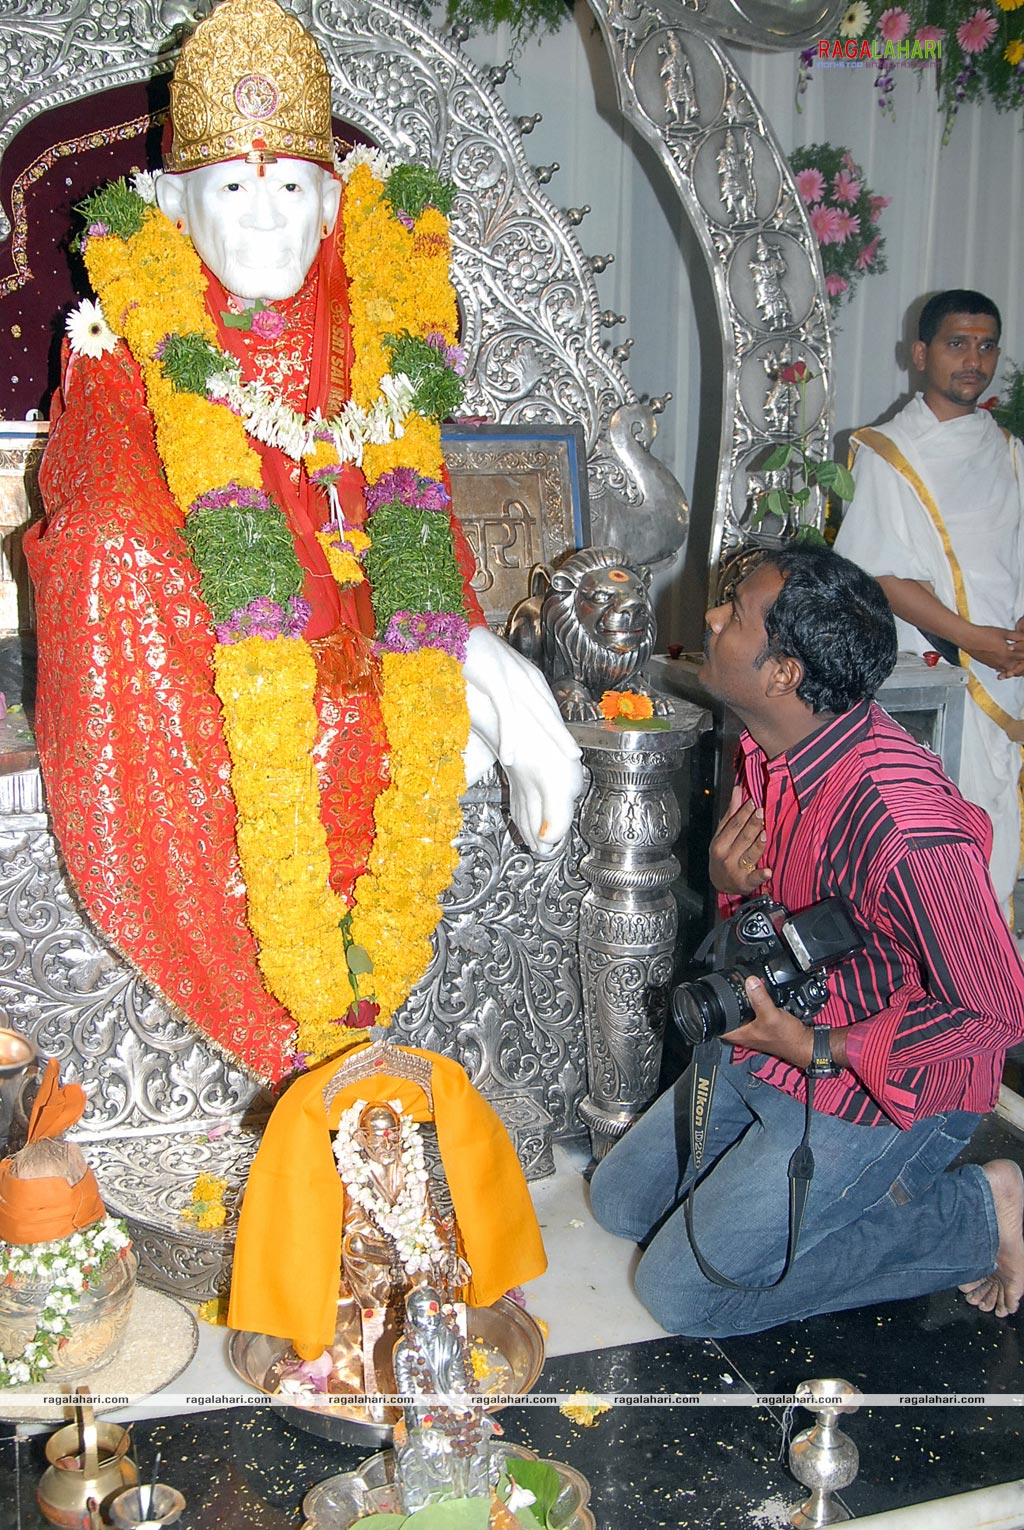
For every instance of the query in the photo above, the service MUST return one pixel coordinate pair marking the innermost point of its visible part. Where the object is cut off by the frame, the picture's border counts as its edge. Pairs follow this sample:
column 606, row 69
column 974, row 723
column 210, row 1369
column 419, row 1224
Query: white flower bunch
column 270, row 420
column 362, row 154
column 67, row 1267
column 143, row 183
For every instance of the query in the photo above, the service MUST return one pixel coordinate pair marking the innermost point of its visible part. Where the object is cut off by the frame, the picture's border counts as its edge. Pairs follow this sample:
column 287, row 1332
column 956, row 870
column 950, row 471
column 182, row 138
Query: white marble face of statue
column 257, row 232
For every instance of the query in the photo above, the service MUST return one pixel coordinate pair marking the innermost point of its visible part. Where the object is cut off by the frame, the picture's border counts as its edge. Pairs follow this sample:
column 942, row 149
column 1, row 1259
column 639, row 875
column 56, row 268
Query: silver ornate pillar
column 629, row 822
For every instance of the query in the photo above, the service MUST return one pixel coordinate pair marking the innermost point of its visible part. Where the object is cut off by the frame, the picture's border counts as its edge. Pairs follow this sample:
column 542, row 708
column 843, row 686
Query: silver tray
column 341, row 1501
column 504, row 1330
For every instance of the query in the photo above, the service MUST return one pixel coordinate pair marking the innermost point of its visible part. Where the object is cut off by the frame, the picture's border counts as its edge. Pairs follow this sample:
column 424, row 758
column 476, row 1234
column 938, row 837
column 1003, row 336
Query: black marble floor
column 716, row 1467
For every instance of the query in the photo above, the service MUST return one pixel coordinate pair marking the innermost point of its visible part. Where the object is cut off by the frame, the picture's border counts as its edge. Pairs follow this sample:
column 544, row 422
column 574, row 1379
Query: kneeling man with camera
column 865, row 986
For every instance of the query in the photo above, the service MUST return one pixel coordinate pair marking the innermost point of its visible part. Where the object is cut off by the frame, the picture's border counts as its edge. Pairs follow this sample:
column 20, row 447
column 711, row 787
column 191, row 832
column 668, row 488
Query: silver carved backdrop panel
column 685, row 95
column 502, row 994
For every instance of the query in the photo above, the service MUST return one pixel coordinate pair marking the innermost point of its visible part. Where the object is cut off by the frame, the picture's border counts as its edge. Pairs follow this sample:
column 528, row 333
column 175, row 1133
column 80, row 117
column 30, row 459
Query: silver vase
column 823, row 1458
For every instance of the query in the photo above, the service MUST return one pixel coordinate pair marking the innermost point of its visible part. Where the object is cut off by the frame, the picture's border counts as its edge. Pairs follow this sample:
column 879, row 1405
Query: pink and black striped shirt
column 936, row 996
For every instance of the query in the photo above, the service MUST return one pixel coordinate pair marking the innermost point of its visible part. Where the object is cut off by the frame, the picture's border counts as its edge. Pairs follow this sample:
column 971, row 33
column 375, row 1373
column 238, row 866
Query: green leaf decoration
column 526, row 18
column 411, row 563
column 358, row 960
column 1009, row 412
column 439, row 389
column 117, row 206
column 189, row 361
column 834, row 477
column 539, row 1478
column 810, row 536
column 642, row 724
column 453, row 1514
column 777, row 458
column 411, row 188
column 775, row 502
column 243, row 554
column 842, row 485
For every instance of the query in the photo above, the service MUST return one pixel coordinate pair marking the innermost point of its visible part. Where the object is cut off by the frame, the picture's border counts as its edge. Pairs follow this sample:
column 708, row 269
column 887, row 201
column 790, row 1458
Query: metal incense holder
column 822, row 1457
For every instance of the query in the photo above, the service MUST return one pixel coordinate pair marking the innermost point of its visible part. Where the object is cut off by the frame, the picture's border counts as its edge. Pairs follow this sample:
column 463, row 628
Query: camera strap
column 706, row 1060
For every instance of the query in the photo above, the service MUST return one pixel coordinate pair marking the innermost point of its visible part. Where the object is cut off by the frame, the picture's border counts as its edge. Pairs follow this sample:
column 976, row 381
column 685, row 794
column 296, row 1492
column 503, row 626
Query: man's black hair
column 836, row 621
column 956, row 300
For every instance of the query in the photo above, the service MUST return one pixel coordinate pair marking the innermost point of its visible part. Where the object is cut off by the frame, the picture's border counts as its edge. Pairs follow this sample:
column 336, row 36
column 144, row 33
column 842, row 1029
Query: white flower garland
column 408, row 1223
column 71, row 1266
column 263, row 413
column 269, row 419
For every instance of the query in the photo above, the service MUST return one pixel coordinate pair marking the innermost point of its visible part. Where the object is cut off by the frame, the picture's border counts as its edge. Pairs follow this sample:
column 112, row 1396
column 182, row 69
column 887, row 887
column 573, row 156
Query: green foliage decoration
column 1009, row 412
column 411, row 563
column 243, row 554
column 189, row 361
column 411, row 188
column 526, row 18
column 439, row 389
column 116, row 207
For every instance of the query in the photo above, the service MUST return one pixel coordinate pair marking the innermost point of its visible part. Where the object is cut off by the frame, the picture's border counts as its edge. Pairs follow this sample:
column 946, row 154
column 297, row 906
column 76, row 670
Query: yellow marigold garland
column 270, row 723
column 151, row 285
column 398, row 280
column 395, row 905
column 393, row 920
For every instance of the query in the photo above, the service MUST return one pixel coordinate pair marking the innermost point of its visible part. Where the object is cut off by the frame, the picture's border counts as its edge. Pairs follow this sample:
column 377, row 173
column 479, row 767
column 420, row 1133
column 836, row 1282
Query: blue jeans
column 882, row 1221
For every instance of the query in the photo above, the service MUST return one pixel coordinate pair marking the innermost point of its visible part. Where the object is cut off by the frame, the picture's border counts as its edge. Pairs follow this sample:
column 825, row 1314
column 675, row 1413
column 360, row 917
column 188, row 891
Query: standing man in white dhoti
column 938, row 518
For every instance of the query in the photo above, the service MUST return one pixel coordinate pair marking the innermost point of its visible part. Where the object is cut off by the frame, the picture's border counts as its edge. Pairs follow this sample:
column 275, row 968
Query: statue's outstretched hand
column 514, row 718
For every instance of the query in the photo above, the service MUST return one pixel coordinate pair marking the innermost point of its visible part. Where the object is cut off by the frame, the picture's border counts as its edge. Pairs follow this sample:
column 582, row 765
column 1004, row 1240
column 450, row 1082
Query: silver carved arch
column 683, row 92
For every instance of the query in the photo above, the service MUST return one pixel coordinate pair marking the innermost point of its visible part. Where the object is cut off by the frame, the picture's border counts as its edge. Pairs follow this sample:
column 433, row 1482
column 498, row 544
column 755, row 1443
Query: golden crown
column 250, row 83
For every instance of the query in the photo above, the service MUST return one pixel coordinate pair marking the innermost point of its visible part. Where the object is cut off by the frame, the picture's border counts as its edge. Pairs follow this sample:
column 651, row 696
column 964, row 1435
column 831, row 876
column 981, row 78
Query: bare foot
column 1001, row 1291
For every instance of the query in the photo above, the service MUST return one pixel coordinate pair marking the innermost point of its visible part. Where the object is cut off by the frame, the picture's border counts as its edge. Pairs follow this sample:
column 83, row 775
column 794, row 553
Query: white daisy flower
column 88, row 330
column 855, row 19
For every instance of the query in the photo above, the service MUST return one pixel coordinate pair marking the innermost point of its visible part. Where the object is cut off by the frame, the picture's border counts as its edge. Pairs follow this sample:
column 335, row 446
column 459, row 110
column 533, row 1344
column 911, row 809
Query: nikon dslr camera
column 787, row 952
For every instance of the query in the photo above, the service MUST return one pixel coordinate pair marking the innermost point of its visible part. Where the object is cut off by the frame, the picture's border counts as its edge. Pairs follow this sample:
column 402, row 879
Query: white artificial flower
column 88, row 330
column 519, row 1498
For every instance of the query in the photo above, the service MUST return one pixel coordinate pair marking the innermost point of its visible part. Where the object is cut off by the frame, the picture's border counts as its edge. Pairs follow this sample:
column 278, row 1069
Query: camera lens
column 710, row 1006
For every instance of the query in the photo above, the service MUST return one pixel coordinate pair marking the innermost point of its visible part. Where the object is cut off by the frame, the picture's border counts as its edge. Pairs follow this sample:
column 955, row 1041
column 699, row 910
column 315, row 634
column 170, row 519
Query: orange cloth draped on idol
column 252, row 705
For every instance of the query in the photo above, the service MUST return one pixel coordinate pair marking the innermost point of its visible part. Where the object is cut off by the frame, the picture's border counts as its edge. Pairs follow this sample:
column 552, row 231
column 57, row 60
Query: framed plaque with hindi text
column 520, row 493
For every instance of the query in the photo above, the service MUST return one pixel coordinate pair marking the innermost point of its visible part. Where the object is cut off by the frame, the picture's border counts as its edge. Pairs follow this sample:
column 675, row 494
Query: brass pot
column 87, row 1461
